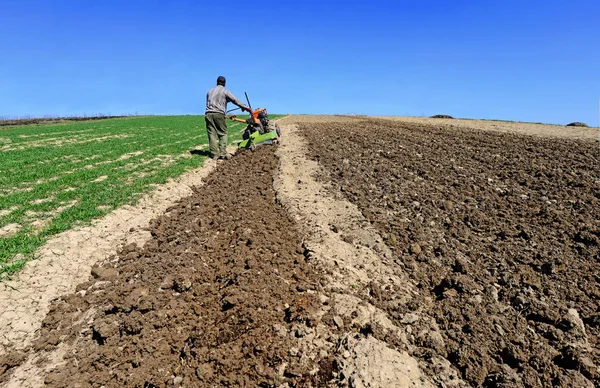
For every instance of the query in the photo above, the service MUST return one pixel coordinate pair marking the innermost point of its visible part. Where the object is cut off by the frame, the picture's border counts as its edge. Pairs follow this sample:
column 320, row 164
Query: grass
column 54, row 177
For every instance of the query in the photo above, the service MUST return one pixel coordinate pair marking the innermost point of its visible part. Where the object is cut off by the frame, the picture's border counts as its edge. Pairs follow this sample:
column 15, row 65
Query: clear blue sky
column 528, row 60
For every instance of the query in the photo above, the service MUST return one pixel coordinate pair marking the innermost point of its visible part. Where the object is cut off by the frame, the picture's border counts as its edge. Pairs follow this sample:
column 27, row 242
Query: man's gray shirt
column 217, row 99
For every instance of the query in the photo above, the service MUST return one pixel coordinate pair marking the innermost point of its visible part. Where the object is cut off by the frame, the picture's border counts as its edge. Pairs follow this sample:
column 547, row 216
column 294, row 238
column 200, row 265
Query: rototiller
column 259, row 130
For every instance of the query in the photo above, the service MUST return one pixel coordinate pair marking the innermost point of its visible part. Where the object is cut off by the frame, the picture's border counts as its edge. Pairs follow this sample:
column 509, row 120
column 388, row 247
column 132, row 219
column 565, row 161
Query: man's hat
column 221, row 80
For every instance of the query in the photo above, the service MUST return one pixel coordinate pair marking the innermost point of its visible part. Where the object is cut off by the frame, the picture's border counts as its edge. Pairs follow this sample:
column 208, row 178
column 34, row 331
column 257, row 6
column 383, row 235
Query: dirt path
column 372, row 350
column 499, row 232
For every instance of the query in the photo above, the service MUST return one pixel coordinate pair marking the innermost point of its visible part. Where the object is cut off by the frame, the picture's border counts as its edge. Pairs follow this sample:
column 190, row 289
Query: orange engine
column 258, row 117
column 258, row 114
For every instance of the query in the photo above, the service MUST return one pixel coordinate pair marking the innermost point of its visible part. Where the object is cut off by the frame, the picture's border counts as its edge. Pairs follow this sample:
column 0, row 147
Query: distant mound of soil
column 442, row 117
column 577, row 124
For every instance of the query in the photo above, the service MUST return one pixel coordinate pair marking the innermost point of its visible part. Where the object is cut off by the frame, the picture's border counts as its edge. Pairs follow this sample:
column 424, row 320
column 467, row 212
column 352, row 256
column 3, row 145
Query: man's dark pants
column 216, row 127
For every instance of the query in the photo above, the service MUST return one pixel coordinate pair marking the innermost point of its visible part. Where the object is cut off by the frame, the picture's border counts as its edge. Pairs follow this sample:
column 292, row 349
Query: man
column 216, row 127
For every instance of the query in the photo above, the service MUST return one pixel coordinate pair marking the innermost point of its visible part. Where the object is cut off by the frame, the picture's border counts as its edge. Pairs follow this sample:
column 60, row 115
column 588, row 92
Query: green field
column 57, row 176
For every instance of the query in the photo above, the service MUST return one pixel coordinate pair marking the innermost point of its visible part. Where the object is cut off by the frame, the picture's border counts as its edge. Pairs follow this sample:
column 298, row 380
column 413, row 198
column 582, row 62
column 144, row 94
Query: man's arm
column 233, row 99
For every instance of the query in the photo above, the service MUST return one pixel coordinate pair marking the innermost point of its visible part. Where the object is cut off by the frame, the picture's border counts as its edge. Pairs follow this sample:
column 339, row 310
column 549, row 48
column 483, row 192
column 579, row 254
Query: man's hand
column 244, row 109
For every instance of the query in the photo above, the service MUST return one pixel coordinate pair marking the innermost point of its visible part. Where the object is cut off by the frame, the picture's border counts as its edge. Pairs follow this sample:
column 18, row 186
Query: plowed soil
column 501, row 233
column 208, row 301
column 426, row 255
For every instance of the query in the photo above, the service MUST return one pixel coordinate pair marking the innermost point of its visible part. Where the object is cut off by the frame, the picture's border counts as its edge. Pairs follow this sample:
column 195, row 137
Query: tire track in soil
column 501, row 234
column 216, row 297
